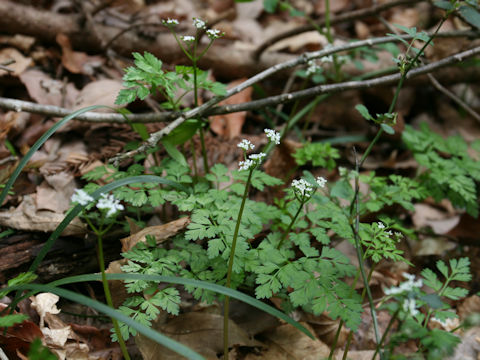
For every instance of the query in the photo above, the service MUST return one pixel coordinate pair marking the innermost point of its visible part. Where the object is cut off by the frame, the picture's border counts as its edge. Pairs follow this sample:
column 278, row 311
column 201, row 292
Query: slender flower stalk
column 108, row 206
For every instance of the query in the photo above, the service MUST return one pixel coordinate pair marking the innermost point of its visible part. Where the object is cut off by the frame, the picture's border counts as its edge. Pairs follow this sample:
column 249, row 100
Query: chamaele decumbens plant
column 283, row 248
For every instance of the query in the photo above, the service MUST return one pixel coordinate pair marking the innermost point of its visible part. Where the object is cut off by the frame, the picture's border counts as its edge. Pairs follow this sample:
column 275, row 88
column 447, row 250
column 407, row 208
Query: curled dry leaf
column 20, row 64
column 27, row 217
column 47, row 91
column 75, row 61
column 199, row 331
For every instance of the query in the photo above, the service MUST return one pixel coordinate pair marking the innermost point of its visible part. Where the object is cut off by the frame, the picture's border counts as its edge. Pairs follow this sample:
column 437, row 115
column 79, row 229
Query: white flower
column 328, row 58
column 273, row 136
column 246, row 145
column 389, row 232
column 81, row 197
column 410, row 306
column 257, row 157
column 406, row 286
column 213, row 33
column 198, row 23
column 321, row 181
column 380, row 225
column 245, row 165
column 172, row 22
column 188, row 38
column 303, row 187
column 109, row 202
column 312, row 67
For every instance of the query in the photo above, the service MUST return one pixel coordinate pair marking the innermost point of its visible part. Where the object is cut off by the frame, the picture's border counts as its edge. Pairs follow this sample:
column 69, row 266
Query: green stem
column 360, row 261
column 230, row 264
column 335, row 340
column 108, row 297
column 285, row 234
column 384, row 336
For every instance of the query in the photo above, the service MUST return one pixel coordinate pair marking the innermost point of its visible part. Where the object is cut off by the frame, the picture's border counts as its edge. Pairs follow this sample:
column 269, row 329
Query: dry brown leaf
column 439, row 221
column 21, row 63
column 27, row 217
column 47, row 91
column 18, row 41
column 358, row 355
column 286, row 343
column 101, row 92
column 15, row 342
column 201, row 332
column 55, row 192
column 469, row 306
column 75, row 61
column 230, row 125
column 160, row 232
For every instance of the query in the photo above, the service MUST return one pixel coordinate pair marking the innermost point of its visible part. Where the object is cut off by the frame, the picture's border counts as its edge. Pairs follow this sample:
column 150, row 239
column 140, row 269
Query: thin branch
column 453, row 97
column 55, row 111
column 348, row 85
column 346, row 17
column 274, row 100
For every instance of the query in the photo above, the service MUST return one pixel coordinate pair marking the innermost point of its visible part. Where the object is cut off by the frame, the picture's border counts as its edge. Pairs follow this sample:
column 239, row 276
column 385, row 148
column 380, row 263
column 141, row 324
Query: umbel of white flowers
column 106, row 202
column 255, row 159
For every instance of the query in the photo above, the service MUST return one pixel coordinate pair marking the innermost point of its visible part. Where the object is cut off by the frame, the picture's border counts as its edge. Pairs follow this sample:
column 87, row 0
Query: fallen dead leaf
column 202, row 332
column 18, row 41
column 160, row 232
column 47, row 91
column 75, row 61
column 101, row 92
column 55, row 192
column 286, row 342
column 20, row 64
column 27, row 217
column 439, row 221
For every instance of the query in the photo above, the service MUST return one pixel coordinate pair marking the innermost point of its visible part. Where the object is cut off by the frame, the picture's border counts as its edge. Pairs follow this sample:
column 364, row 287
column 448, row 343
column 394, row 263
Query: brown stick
column 348, row 16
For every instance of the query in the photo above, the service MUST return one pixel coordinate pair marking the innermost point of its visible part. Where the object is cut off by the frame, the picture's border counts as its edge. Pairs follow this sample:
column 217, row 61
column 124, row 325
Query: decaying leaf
column 27, row 217
column 202, row 332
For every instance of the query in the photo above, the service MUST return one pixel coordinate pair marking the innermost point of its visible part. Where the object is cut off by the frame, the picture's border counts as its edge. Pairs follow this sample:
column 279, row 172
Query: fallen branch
column 49, row 110
column 274, row 100
column 345, row 17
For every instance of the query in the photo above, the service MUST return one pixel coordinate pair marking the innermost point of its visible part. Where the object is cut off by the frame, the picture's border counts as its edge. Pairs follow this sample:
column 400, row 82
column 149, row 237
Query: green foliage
column 40, row 352
column 319, row 154
column 447, row 168
column 148, row 78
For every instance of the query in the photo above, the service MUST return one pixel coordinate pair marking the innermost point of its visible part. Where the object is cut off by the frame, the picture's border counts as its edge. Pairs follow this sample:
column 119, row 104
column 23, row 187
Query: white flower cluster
column 321, row 181
column 199, row 23
column 380, row 225
column 312, row 67
column 245, row 165
column 406, row 286
column 246, row 145
column 110, row 203
column 106, row 202
column 81, row 197
column 252, row 160
column 305, row 188
column 188, row 38
column 170, row 22
column 302, row 186
column 410, row 306
column 214, row 34
column 273, row 136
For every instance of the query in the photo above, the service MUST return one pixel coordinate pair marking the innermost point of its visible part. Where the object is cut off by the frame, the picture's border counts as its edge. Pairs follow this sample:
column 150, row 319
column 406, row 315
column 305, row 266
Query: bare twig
column 274, row 100
column 453, row 97
column 348, row 16
column 50, row 110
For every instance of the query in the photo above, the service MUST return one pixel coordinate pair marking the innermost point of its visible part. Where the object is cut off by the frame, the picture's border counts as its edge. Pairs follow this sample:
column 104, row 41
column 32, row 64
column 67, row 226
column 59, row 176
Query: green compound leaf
column 470, row 15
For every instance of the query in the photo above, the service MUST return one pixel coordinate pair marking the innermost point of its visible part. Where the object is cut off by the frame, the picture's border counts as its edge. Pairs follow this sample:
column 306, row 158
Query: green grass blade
column 142, row 329
column 38, row 144
column 96, row 194
column 182, row 281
